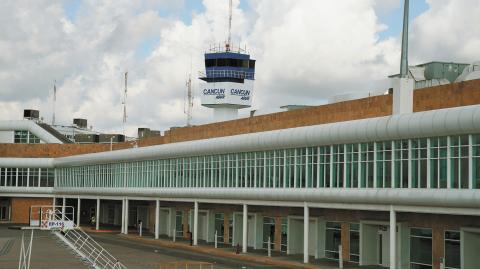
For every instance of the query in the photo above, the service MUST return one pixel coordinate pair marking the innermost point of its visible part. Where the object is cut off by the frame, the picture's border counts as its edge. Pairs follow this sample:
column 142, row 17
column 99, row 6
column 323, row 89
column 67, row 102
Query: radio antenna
column 124, row 103
column 54, row 100
column 189, row 100
column 229, row 40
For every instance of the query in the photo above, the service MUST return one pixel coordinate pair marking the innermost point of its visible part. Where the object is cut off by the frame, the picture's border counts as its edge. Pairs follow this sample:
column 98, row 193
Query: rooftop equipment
column 80, row 123
column 31, row 114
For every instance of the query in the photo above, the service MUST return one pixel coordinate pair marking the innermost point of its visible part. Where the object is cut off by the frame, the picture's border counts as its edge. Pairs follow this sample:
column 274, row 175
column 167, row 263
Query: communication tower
column 124, row 103
column 189, row 101
column 228, row 79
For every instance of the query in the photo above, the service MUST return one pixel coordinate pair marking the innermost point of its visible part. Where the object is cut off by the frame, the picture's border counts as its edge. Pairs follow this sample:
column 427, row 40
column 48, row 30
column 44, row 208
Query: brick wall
column 452, row 95
column 21, row 208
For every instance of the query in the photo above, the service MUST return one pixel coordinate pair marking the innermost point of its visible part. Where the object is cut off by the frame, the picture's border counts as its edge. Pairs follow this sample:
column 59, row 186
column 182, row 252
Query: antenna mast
column 54, row 100
column 227, row 46
column 189, row 102
column 404, row 55
column 125, row 103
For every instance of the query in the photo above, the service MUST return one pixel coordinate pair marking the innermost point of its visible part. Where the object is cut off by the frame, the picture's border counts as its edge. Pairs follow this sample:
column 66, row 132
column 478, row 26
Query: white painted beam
column 393, row 238
column 306, row 222
column 157, row 219
column 245, row 228
column 195, row 224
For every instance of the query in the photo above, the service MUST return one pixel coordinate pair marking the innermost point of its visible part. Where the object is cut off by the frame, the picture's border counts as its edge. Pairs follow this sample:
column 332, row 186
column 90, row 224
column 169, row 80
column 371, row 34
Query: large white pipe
column 456, row 198
column 459, row 120
column 32, row 127
column 26, row 162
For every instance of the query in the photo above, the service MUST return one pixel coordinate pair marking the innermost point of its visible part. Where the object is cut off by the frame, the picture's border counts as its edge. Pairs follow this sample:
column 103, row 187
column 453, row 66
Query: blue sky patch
column 394, row 18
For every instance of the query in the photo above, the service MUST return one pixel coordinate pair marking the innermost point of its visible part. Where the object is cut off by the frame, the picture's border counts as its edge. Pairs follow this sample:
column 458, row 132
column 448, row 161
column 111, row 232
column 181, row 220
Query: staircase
column 85, row 247
column 54, row 132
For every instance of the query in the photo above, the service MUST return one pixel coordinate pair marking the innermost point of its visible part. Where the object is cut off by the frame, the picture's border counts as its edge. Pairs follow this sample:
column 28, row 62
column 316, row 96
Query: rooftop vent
column 31, row 114
column 81, row 123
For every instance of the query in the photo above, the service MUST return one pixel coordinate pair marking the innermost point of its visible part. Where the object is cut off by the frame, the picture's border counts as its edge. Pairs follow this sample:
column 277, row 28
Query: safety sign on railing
column 56, row 225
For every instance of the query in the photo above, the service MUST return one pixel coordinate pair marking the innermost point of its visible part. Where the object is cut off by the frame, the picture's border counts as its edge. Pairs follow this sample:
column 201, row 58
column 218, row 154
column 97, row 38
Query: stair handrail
column 94, row 245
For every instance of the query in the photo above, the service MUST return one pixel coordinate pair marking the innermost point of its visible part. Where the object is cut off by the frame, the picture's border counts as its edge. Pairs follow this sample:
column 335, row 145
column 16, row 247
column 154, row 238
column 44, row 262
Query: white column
column 126, row 216
column 306, row 220
column 97, row 220
column 123, row 216
column 78, row 211
column 157, row 219
column 245, row 224
column 470, row 162
column 64, row 200
column 393, row 238
column 195, row 224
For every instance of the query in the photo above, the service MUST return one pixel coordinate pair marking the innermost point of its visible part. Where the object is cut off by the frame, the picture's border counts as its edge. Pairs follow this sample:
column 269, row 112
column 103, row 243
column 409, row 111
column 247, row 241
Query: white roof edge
column 392, row 127
column 460, row 198
column 27, row 162
column 28, row 125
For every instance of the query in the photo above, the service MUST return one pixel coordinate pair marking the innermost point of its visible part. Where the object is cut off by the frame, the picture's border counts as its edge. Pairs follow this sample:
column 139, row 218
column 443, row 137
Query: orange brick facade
column 21, row 208
column 452, row 95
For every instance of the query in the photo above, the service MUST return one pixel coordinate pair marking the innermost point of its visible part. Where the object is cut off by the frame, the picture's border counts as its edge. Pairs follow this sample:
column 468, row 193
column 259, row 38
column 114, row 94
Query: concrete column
column 97, row 223
column 157, row 219
column 393, row 238
column 245, row 230
column 123, row 216
column 78, row 211
column 306, row 222
column 438, row 246
column 345, row 239
column 186, row 222
column 277, row 237
column 64, row 201
column 226, row 228
column 195, row 223
column 54, row 202
column 126, row 215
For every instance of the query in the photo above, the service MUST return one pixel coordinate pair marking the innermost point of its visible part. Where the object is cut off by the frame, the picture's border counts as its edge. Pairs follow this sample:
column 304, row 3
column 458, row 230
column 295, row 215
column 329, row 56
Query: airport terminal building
column 351, row 178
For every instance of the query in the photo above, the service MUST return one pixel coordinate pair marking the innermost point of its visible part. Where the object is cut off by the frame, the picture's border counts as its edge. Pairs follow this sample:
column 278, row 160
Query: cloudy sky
column 306, row 52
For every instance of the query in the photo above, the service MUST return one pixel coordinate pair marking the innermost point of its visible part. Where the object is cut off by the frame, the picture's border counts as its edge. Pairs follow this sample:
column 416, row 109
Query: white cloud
column 448, row 31
column 306, row 51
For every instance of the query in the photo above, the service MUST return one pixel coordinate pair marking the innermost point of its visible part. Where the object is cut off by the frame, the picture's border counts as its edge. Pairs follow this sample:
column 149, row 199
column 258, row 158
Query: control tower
column 228, row 79
column 228, row 82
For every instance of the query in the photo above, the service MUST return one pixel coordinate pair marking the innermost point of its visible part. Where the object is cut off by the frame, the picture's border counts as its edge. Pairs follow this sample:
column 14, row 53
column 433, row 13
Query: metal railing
column 86, row 247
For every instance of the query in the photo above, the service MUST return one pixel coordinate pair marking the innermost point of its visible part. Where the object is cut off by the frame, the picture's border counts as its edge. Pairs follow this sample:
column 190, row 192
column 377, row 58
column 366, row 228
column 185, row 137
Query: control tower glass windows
column 210, row 62
column 221, row 62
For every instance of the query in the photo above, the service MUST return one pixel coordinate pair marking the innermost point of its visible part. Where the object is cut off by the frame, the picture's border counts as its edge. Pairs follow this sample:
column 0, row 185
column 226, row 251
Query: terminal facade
column 350, row 178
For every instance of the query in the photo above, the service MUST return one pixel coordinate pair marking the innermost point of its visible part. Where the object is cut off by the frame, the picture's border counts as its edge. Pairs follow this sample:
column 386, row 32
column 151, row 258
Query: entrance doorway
column 375, row 243
column 383, row 246
column 4, row 209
